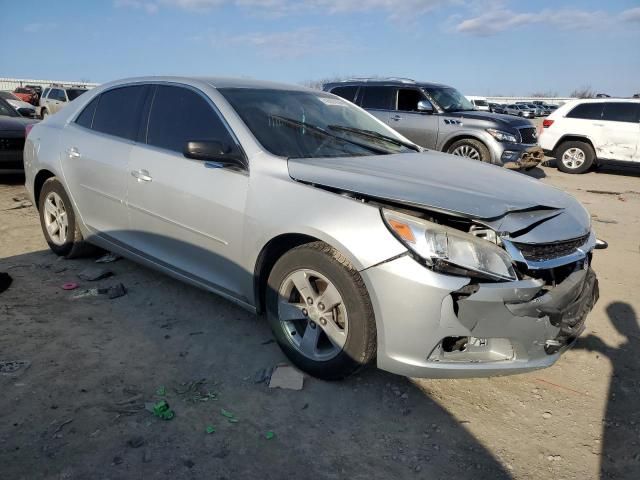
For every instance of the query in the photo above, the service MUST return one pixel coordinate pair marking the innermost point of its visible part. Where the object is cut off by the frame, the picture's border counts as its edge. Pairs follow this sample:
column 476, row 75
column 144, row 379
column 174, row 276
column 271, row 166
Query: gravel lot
column 77, row 410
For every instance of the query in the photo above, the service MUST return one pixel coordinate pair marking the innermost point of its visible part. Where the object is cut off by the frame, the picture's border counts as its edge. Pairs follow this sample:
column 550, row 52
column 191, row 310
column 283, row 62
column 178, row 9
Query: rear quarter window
column 85, row 119
column 621, row 112
column 346, row 92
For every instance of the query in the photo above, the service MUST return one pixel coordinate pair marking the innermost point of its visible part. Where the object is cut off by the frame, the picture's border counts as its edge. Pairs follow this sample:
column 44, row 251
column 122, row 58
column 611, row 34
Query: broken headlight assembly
column 502, row 136
column 451, row 251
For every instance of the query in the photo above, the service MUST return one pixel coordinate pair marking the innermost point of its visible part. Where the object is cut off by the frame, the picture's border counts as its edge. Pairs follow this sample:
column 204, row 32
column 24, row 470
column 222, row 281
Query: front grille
column 529, row 135
column 8, row 144
column 547, row 251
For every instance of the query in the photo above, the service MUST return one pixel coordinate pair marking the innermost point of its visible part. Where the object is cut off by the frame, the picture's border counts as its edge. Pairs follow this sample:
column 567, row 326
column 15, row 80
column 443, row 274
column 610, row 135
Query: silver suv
column 56, row 97
column 439, row 117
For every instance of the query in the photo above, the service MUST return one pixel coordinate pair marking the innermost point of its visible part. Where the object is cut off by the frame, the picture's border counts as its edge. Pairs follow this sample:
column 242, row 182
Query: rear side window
column 118, row 111
column 348, row 93
column 85, row 119
column 380, row 98
column 179, row 115
column 621, row 112
column 587, row 111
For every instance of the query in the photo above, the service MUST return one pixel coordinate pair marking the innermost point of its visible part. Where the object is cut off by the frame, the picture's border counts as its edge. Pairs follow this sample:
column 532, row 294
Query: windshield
column 480, row 103
column 301, row 124
column 7, row 110
column 74, row 93
column 449, row 99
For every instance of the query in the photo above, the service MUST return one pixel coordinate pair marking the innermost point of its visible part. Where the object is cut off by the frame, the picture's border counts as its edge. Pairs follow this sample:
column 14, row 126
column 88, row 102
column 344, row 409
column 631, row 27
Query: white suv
column 583, row 132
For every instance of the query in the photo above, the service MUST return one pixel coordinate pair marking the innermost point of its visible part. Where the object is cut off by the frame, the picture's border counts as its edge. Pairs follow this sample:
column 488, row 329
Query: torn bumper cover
column 438, row 326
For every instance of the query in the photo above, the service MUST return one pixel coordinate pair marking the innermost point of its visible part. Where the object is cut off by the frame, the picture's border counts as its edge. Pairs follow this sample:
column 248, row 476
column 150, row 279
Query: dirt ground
column 77, row 411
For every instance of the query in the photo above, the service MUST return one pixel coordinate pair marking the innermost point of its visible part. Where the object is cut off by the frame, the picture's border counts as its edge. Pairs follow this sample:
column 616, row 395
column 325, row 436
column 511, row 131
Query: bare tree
column 547, row 94
column 583, row 92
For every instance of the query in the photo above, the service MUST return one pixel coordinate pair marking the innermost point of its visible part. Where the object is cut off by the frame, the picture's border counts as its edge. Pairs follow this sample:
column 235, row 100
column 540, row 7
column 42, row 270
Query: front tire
column 320, row 312
column 469, row 148
column 58, row 221
column 574, row 157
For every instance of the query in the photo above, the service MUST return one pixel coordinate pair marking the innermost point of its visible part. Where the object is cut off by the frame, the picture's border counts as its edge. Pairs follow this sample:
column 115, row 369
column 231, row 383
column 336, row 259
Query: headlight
column 450, row 251
column 502, row 136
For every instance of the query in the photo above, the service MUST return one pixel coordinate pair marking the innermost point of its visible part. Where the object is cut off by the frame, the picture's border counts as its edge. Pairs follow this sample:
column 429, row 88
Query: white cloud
column 147, row 6
column 39, row 27
column 631, row 15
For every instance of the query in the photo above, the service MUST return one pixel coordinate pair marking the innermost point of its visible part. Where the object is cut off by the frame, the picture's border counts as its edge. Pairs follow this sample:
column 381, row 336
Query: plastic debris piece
column 69, row 286
column 10, row 367
column 269, row 435
column 109, row 258
column 210, row 429
column 162, row 410
column 114, row 291
column 161, row 391
column 91, row 274
column 232, row 420
column 226, row 413
column 285, row 376
column 92, row 292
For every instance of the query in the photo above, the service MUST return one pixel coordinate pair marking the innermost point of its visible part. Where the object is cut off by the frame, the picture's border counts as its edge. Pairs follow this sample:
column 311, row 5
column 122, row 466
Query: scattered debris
column 60, row 427
column 92, row 274
column 229, row 416
column 269, row 435
column 69, row 286
column 10, row 367
column 263, row 375
column 5, row 281
column 604, row 192
column 195, row 391
column 210, row 429
column 604, row 220
column 285, row 376
column 109, row 258
column 161, row 409
column 135, row 442
column 112, row 292
column 546, row 415
column 19, row 204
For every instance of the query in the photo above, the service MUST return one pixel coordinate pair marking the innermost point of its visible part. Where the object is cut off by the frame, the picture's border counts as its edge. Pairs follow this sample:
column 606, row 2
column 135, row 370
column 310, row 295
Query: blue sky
column 483, row 47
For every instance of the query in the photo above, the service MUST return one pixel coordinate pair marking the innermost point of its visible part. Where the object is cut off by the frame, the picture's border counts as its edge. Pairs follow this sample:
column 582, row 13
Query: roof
column 215, row 82
column 385, row 81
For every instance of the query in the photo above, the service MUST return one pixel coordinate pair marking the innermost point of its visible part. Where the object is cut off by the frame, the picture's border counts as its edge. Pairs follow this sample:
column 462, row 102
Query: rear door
column 377, row 100
column 585, row 119
column 419, row 127
column 621, row 131
column 187, row 213
column 95, row 155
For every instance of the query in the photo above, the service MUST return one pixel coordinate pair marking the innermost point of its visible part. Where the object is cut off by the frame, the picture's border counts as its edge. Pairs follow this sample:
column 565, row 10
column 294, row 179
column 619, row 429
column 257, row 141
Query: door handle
column 73, row 152
column 396, row 118
column 141, row 175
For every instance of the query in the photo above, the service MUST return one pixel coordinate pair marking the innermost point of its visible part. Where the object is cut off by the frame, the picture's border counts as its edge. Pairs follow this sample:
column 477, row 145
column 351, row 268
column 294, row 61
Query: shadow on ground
column 76, row 412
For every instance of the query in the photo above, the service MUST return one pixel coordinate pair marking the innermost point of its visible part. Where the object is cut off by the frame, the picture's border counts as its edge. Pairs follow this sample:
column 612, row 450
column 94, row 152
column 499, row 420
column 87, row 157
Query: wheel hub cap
column 467, row 151
column 573, row 158
column 56, row 219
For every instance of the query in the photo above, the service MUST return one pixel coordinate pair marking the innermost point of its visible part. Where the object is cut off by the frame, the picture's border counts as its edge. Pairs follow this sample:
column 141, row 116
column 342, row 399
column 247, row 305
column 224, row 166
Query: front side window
column 587, row 111
column 118, row 111
column 304, row 124
column 408, row 99
column 179, row 115
column 449, row 99
column 377, row 98
column 628, row 112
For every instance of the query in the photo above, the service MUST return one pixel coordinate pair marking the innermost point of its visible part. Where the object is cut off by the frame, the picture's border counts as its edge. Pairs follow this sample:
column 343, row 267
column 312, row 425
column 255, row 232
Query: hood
column 509, row 202
column 498, row 118
column 14, row 124
column 19, row 103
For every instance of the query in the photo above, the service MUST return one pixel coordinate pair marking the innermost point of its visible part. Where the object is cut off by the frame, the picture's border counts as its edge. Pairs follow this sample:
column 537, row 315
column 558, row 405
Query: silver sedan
column 354, row 243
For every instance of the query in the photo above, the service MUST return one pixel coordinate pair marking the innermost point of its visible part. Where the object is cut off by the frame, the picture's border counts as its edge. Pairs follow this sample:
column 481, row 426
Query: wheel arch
column 267, row 258
column 466, row 136
column 41, row 177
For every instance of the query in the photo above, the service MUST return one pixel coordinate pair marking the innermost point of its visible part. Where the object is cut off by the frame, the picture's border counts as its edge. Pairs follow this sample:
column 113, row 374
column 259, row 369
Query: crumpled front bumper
column 522, row 159
column 510, row 327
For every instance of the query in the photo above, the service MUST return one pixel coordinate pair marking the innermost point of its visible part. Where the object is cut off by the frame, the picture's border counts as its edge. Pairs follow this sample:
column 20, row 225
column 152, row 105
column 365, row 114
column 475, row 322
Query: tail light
column 547, row 123
column 27, row 129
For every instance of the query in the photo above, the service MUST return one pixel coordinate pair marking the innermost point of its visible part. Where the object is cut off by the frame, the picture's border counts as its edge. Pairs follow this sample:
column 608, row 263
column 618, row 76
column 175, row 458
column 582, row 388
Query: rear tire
column 574, row 157
column 43, row 113
column 470, row 148
column 345, row 339
column 58, row 221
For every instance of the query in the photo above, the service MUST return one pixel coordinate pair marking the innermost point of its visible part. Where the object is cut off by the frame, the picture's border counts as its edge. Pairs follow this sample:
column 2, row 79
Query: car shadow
column 621, row 425
column 609, row 167
column 11, row 179
column 535, row 172
column 95, row 361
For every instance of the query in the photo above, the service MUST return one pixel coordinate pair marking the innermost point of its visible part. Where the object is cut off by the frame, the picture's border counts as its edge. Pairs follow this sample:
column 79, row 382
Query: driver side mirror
column 216, row 154
column 425, row 106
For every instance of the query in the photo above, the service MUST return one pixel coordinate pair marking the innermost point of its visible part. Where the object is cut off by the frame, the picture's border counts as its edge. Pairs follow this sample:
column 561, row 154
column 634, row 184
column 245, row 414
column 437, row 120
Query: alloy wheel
column 467, row 151
column 573, row 158
column 312, row 314
column 56, row 220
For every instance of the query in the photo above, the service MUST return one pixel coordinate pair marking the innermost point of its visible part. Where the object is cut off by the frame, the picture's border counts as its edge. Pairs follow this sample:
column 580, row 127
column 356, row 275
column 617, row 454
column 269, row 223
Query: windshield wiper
column 373, row 134
column 321, row 130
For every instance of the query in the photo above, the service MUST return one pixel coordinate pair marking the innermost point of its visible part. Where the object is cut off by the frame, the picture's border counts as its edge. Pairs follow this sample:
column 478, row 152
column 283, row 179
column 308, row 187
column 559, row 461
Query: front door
column 419, row 127
column 187, row 214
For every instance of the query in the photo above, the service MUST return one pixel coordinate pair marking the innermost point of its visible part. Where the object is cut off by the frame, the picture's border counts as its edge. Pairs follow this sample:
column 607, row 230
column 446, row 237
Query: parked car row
column 355, row 242
column 32, row 101
column 12, row 136
column 21, row 107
